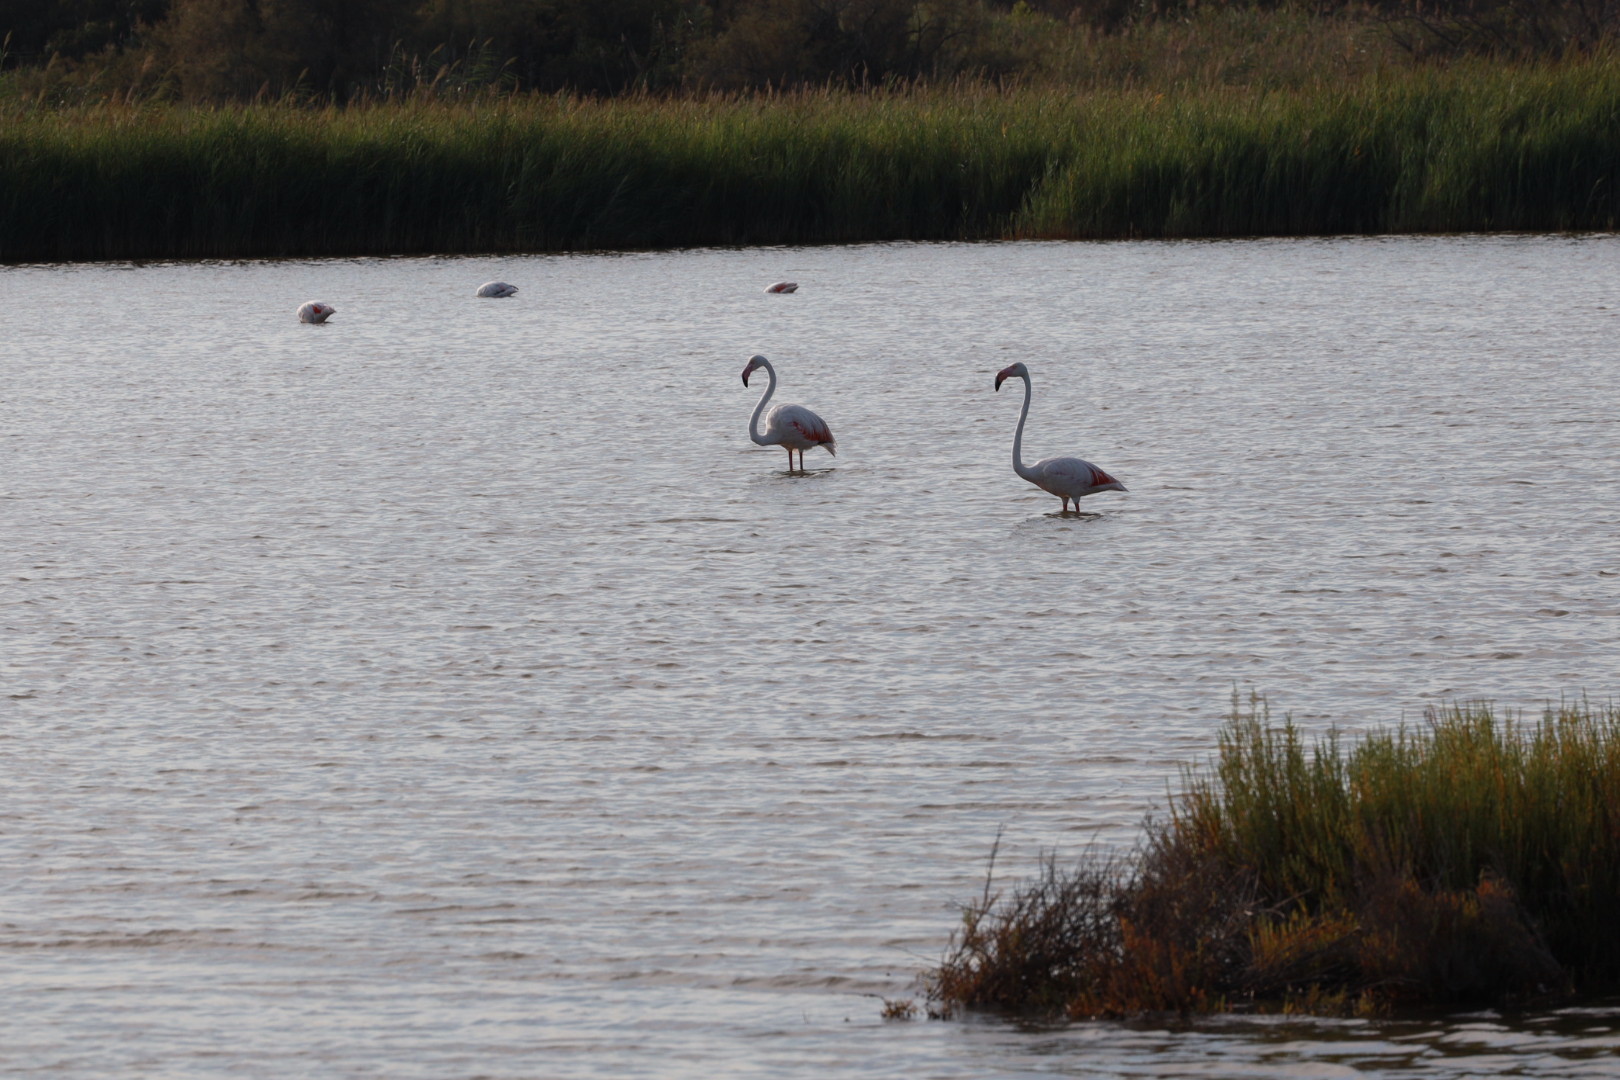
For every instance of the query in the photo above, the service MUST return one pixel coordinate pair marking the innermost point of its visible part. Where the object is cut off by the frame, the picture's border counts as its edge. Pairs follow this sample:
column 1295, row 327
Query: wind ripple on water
column 445, row 690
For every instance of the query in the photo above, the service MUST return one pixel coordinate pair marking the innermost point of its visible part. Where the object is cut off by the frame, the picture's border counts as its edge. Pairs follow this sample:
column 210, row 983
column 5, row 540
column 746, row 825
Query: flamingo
column 1066, row 477
column 313, row 312
column 792, row 426
column 783, row 286
column 499, row 289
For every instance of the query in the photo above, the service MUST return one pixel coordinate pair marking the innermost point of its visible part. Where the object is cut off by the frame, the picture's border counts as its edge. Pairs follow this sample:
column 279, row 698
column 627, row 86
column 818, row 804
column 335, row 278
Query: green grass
column 1473, row 859
column 531, row 175
column 1471, row 147
column 1483, row 148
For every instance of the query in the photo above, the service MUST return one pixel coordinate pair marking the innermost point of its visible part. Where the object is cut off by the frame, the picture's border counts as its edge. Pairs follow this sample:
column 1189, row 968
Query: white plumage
column 793, row 427
column 497, row 289
column 1066, row 477
column 314, row 312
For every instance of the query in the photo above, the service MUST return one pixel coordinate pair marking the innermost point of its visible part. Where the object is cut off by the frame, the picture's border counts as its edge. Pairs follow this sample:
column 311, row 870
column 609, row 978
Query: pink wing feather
column 813, row 428
column 809, row 427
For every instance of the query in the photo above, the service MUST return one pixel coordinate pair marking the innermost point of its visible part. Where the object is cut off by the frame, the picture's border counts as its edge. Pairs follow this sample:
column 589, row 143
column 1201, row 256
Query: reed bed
column 1462, row 148
column 1473, row 859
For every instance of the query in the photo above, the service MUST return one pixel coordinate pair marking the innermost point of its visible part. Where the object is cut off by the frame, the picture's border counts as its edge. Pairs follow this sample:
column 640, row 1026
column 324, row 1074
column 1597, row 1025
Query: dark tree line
column 220, row 49
column 232, row 48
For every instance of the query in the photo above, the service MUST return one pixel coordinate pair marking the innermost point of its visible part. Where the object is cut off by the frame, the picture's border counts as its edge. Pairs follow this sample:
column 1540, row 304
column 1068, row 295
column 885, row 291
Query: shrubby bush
column 235, row 50
column 1475, row 859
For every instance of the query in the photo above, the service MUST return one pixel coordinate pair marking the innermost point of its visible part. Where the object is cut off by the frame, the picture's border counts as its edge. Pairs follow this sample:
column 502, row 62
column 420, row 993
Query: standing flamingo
column 1066, row 477
column 792, row 426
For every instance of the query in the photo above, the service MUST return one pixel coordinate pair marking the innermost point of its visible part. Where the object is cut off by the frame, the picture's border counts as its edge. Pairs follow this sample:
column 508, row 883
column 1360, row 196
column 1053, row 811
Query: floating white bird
column 315, row 313
column 792, row 426
column 496, row 288
column 1066, row 477
column 783, row 286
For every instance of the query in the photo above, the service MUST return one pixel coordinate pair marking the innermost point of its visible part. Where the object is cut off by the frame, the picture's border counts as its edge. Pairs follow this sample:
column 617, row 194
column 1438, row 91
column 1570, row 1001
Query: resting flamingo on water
column 791, row 426
column 313, row 312
column 1066, row 477
column 497, row 289
column 783, row 286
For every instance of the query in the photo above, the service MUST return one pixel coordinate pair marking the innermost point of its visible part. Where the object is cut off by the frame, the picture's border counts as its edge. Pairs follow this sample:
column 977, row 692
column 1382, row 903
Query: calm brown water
column 452, row 690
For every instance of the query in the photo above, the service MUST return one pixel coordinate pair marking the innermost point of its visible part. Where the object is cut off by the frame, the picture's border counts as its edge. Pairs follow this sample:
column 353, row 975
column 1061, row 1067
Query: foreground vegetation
column 1476, row 859
column 1471, row 146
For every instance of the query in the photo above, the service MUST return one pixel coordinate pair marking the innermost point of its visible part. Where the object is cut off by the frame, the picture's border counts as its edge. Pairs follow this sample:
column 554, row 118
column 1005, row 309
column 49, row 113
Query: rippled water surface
column 453, row 690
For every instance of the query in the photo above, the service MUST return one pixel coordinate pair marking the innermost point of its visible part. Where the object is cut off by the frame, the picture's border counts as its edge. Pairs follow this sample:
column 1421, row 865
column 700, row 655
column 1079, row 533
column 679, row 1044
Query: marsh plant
column 1474, row 858
column 1468, row 147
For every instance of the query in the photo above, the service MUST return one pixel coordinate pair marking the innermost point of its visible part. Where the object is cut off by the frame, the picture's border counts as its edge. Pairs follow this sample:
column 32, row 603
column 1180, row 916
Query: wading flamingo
column 783, row 286
column 315, row 313
column 497, row 289
column 792, row 426
column 1066, row 477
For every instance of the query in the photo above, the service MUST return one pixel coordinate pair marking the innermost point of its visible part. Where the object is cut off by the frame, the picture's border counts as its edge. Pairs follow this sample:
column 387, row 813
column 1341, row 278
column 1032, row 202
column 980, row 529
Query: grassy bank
column 1463, row 148
column 1473, row 859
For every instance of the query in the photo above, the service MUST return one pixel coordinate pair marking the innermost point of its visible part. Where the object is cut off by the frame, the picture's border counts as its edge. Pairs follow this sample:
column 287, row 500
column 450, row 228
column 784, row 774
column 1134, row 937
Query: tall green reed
column 537, row 175
column 1471, row 148
column 1467, row 794
column 1463, row 148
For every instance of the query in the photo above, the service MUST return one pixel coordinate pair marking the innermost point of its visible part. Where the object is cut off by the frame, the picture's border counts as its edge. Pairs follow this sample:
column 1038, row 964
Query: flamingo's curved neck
column 753, row 421
column 1018, row 437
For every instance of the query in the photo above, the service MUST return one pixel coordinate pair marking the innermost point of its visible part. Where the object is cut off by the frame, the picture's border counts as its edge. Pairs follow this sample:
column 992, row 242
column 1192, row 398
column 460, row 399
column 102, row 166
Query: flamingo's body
column 313, row 312
column 499, row 289
column 783, row 286
column 1066, row 477
column 792, row 427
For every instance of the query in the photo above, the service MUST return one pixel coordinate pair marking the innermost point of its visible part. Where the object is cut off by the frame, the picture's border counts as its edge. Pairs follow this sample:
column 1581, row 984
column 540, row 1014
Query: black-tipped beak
column 1001, row 377
column 745, row 378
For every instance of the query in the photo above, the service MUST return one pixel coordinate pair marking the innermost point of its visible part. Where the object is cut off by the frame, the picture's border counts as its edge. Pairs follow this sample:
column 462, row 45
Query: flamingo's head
column 754, row 364
column 1016, row 371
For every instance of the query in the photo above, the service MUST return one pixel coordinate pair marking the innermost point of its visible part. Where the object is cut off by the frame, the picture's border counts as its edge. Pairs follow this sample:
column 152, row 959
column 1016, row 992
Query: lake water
column 453, row 690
